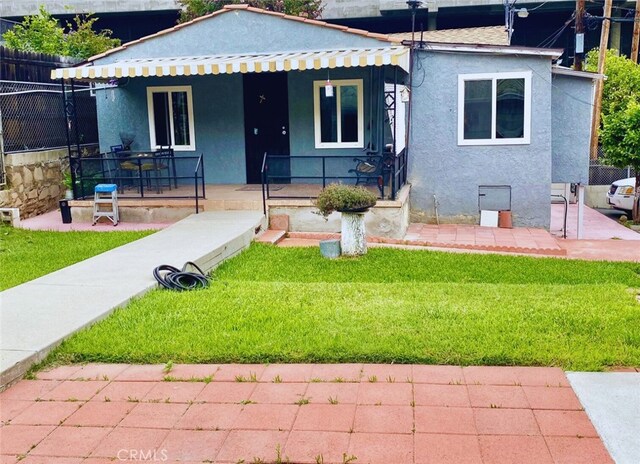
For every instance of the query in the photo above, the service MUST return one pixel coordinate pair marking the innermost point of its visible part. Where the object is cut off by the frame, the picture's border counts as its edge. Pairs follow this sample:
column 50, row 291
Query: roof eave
column 573, row 73
column 487, row 49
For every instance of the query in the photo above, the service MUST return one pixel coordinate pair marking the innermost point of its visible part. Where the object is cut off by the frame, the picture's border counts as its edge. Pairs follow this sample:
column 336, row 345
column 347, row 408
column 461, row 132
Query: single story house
column 466, row 126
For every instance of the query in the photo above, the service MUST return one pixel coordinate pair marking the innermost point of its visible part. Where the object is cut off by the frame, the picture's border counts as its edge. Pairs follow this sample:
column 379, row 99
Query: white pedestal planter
column 353, row 240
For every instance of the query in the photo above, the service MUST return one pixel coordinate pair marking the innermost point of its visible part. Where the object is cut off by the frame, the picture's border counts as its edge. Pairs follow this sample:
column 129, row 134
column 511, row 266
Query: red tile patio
column 604, row 238
column 390, row 414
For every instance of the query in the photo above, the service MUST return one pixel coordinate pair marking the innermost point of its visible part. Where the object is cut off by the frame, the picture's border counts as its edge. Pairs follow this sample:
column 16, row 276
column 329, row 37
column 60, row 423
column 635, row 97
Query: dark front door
column 266, row 124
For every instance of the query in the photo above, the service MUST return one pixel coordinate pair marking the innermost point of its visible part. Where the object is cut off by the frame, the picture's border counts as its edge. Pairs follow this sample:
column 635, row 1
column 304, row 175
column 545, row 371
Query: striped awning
column 230, row 64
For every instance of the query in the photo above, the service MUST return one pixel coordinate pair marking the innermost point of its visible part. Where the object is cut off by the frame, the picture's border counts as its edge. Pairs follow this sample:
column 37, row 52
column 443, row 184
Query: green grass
column 26, row 255
column 290, row 305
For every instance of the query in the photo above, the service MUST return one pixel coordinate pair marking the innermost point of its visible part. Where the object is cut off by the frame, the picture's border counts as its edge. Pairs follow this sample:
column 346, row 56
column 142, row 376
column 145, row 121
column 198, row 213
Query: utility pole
column 579, row 50
column 635, row 42
column 602, row 55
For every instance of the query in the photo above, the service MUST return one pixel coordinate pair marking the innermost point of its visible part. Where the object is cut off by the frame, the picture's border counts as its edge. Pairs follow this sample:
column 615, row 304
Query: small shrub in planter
column 352, row 202
column 344, row 198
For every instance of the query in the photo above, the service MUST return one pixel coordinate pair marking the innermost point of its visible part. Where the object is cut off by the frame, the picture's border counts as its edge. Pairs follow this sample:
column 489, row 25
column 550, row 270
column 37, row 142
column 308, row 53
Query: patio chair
column 150, row 168
column 369, row 170
column 111, row 170
column 168, row 153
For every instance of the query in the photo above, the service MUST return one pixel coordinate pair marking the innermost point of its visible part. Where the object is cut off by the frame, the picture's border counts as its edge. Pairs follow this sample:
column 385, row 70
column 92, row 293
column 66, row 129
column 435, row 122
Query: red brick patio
column 311, row 413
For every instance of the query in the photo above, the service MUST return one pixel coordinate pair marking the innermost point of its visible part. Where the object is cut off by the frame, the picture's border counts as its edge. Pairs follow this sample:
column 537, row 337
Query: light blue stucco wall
column 572, row 99
column 218, row 118
column 241, row 31
column 218, row 100
column 301, row 120
column 438, row 166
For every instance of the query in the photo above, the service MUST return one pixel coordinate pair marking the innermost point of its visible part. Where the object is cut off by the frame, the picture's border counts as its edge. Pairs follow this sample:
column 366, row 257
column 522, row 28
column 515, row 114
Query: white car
column 620, row 195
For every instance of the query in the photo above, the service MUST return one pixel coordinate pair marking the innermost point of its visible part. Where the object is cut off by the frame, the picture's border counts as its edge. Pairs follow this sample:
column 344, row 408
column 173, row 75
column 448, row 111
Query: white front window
column 171, row 117
column 339, row 119
column 494, row 109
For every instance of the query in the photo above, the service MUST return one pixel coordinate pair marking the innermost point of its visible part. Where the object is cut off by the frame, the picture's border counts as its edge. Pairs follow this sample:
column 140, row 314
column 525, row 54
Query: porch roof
column 245, row 63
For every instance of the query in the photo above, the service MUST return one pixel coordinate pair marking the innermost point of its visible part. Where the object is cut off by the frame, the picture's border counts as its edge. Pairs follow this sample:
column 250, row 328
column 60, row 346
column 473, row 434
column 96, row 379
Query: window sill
column 321, row 146
column 496, row 142
column 177, row 148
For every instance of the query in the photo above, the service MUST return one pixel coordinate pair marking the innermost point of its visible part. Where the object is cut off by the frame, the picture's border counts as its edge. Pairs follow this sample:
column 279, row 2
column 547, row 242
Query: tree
column 192, row 9
column 39, row 33
column 623, row 79
column 42, row 33
column 620, row 138
column 83, row 41
column 620, row 125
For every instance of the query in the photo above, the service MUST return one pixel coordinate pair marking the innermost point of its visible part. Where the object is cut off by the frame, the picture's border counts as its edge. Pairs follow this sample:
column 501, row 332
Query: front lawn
column 28, row 254
column 290, row 305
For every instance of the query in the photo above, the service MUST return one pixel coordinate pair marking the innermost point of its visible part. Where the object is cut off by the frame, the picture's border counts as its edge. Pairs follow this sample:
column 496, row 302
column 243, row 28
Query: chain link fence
column 33, row 116
column 602, row 174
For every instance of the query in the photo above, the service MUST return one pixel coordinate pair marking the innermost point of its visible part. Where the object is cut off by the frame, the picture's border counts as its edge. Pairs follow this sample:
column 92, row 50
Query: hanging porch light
column 328, row 87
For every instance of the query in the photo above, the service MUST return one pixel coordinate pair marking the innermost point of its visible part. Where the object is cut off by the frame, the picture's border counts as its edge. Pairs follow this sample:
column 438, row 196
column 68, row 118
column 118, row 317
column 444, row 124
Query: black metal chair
column 170, row 166
column 369, row 170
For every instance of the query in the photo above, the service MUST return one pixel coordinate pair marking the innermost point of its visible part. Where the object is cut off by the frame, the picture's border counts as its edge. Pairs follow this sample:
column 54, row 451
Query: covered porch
column 272, row 126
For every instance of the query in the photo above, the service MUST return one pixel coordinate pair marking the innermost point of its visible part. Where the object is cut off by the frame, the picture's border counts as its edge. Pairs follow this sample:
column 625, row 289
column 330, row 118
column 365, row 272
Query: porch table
column 149, row 162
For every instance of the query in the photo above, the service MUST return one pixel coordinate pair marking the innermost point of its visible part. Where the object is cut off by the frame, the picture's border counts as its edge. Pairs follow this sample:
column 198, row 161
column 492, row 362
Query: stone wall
column 34, row 181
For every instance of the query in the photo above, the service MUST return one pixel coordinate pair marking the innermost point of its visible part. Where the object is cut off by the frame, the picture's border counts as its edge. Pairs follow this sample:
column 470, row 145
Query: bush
column 41, row 33
column 344, row 198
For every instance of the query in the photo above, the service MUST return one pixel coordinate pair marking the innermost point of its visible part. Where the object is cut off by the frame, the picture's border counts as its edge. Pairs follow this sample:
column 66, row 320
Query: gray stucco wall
column 572, row 98
column 438, row 166
column 241, row 31
column 218, row 117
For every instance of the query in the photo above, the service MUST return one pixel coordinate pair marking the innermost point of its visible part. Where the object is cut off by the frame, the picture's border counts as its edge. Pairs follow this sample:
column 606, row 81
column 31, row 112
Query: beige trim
column 150, row 111
column 317, row 86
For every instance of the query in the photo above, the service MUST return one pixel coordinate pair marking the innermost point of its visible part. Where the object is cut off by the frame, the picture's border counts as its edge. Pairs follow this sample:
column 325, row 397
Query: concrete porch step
column 272, row 236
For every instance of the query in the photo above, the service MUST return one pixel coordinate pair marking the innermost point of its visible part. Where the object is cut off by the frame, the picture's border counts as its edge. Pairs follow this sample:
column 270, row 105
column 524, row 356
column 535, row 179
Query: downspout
column 410, row 85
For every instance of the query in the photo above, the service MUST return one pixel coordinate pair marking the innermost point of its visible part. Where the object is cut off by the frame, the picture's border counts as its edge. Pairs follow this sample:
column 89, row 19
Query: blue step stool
column 105, row 203
column 106, row 188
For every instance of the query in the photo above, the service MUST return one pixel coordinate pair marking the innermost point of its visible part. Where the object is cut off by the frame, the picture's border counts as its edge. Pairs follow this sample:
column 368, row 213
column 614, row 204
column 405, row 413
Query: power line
column 549, row 41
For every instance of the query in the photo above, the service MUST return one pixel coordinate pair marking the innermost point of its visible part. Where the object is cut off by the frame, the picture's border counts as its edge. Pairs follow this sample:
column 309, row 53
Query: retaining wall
column 34, row 181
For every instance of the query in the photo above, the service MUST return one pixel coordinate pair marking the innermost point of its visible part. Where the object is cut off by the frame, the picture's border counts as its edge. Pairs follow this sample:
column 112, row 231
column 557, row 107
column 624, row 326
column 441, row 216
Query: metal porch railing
column 141, row 175
column 389, row 176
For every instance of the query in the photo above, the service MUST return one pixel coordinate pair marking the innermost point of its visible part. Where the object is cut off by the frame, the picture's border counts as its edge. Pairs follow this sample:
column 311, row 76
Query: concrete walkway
column 53, row 221
column 38, row 315
column 612, row 401
column 597, row 226
column 330, row 414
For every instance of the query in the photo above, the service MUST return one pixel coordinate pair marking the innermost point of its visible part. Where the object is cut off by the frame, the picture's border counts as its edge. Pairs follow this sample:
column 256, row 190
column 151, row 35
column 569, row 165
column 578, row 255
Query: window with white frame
column 494, row 109
column 171, row 117
column 338, row 119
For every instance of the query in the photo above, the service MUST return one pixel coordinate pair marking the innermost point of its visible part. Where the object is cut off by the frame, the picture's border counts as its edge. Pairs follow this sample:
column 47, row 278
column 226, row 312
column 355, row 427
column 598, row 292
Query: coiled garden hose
column 172, row 278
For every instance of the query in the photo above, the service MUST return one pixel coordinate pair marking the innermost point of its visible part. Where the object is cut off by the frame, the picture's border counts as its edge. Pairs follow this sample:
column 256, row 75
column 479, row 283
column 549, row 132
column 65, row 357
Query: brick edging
column 425, row 243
